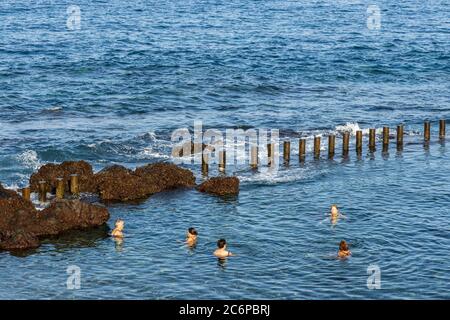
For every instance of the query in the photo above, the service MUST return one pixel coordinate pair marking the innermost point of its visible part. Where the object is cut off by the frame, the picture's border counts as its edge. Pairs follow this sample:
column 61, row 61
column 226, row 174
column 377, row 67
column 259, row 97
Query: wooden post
column 74, row 186
column 60, row 188
column 42, row 191
column 270, row 153
column 26, row 193
column 222, row 160
column 372, row 133
column 205, row 162
column 254, row 157
column 317, row 147
column 359, row 141
column 331, row 145
column 385, row 139
column 426, row 130
column 399, row 137
column 286, row 151
column 442, row 129
column 345, row 143
column 301, row 150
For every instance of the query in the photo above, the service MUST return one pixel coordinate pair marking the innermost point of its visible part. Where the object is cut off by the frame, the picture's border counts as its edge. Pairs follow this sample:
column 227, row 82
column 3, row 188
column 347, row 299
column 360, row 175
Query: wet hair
column 334, row 206
column 221, row 243
column 192, row 231
column 119, row 220
column 343, row 246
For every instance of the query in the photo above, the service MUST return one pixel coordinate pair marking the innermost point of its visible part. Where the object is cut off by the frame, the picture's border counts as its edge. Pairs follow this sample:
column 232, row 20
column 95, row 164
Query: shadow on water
column 78, row 238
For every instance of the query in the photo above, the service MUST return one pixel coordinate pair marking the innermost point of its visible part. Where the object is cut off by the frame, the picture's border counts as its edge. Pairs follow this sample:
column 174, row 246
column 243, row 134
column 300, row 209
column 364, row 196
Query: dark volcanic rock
column 21, row 225
column 115, row 183
column 64, row 215
column 18, row 240
column 164, row 176
column 50, row 172
column 220, row 186
column 118, row 183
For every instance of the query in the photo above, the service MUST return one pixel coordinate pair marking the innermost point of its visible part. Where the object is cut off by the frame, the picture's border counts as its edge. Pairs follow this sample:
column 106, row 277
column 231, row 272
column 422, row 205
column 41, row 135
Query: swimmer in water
column 117, row 232
column 335, row 214
column 221, row 251
column 344, row 251
column 191, row 237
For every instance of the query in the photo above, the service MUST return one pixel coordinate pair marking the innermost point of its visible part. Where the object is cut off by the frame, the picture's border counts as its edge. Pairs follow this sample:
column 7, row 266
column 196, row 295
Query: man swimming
column 221, row 251
column 117, row 232
column 191, row 237
column 344, row 251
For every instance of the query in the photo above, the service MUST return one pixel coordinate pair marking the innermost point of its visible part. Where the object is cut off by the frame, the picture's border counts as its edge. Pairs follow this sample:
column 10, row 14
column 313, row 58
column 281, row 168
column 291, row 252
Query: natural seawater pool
column 114, row 91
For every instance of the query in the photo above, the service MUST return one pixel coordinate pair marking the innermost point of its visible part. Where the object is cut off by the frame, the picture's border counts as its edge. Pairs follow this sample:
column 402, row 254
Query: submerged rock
column 50, row 172
column 221, row 186
column 21, row 225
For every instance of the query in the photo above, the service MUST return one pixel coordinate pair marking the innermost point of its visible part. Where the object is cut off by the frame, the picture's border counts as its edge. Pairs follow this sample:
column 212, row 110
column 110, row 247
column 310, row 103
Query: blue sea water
column 114, row 90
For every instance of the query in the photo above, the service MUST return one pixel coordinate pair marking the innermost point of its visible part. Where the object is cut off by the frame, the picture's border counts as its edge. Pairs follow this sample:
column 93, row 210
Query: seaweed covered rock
column 164, row 176
column 50, row 172
column 221, row 186
column 18, row 240
column 21, row 225
column 118, row 183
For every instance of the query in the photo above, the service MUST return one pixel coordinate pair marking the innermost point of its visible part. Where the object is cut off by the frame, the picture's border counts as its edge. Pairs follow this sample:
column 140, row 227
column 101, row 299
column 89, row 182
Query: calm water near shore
column 114, row 91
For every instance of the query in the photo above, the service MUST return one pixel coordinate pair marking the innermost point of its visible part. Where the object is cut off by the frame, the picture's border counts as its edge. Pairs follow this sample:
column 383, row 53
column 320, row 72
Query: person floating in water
column 344, row 251
column 118, row 230
column 335, row 214
column 191, row 237
column 221, row 251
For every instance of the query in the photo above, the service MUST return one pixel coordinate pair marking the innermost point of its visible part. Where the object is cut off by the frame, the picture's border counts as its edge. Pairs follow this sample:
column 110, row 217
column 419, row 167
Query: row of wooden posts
column 331, row 145
column 60, row 189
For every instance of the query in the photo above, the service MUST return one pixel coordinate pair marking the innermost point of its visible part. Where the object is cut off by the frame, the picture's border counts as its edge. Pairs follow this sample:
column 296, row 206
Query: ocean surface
column 112, row 89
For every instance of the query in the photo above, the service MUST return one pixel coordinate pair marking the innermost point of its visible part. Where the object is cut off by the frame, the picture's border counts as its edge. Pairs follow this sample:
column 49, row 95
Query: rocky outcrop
column 21, row 225
column 50, row 172
column 221, row 186
column 116, row 183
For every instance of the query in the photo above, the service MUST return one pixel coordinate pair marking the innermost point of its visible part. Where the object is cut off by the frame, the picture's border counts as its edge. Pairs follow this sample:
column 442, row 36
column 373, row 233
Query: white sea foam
column 54, row 109
column 29, row 159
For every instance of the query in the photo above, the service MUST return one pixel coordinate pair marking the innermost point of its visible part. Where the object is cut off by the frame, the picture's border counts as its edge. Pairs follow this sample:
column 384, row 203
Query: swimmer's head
column 343, row 246
column 192, row 231
column 222, row 244
column 334, row 209
column 120, row 224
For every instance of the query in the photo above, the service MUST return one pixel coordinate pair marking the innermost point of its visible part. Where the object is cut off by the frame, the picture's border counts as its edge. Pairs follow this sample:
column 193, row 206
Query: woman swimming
column 118, row 230
column 344, row 251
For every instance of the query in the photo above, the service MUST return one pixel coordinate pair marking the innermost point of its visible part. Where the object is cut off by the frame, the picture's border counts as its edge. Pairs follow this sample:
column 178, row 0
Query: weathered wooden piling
column 26, row 193
column 442, row 129
column 345, row 143
column 222, row 160
column 426, row 130
column 286, row 151
column 205, row 163
column 385, row 139
column 317, row 147
column 372, row 134
column 60, row 188
column 359, row 141
column 331, row 145
column 42, row 191
column 254, row 157
column 74, row 185
column 270, row 153
column 301, row 150
column 400, row 136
